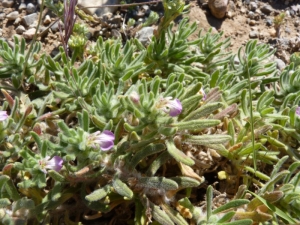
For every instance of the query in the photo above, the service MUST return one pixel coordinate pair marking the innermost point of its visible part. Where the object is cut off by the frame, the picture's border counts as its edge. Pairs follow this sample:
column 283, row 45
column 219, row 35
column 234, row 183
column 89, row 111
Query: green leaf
column 207, row 139
column 177, row 154
column 196, row 124
column 98, row 194
column 157, row 183
column 232, row 204
column 145, row 152
column 122, row 189
column 204, row 110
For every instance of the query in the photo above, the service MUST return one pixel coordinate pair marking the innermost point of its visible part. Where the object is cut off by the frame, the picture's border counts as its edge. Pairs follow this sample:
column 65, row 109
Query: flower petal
column 55, row 163
column 175, row 107
column 298, row 111
column 3, row 115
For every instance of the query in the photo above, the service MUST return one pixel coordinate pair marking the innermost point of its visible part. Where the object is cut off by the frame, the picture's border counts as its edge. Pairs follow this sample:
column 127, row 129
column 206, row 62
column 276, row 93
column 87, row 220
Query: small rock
column 98, row 11
column 17, row 21
column 253, row 6
column 252, row 22
column 269, row 22
column 20, row 29
column 55, row 27
column 30, row 8
column 2, row 16
column 13, row 15
column 230, row 14
column 218, row 8
column 251, row 15
column 296, row 23
column 267, row 9
column 29, row 19
column 145, row 34
column 22, row 6
column 47, row 20
column 288, row 30
column 29, row 34
column 272, row 32
column 280, row 64
column 7, row 3
column 253, row 34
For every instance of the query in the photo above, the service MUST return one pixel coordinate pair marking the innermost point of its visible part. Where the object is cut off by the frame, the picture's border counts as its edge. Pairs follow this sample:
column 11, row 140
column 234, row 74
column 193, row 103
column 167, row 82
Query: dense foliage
column 177, row 132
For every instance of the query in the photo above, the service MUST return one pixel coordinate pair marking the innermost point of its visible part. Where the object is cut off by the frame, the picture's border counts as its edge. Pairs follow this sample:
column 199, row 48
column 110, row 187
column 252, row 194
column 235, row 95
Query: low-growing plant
column 176, row 132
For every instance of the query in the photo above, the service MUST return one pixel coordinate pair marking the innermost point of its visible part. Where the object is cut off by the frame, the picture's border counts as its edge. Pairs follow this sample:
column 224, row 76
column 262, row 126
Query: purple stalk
column 69, row 21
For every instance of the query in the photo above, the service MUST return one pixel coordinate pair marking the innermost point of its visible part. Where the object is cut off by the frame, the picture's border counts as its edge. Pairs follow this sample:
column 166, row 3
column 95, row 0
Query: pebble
column 144, row 35
column 297, row 22
column 288, row 30
column 218, row 8
column 17, row 21
column 2, row 16
column 280, row 64
column 54, row 28
column 269, row 22
column 47, row 20
column 252, row 22
column 22, row 7
column 20, row 29
column 7, row 3
column 98, row 11
column 253, row 6
column 30, row 8
column 251, row 15
column 29, row 34
column 253, row 34
column 29, row 19
column 13, row 15
column 267, row 9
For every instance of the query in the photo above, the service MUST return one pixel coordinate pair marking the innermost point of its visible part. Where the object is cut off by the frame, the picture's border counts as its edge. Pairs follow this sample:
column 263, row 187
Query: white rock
column 29, row 34
column 98, row 11
column 13, row 15
column 20, row 29
column 7, row 3
column 30, row 8
column 47, row 20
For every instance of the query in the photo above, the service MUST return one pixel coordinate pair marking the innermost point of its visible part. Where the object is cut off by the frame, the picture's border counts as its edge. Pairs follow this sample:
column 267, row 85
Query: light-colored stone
column 20, row 29
column 13, row 15
column 7, row 3
column 98, row 11
column 30, row 8
column 218, row 8
column 144, row 35
column 47, row 20
column 29, row 19
column 280, row 64
column 29, row 34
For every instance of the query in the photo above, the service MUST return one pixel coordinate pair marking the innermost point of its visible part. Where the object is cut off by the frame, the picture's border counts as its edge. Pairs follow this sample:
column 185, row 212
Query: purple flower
column 298, row 111
column 52, row 164
column 202, row 92
column 173, row 107
column 105, row 140
column 134, row 96
column 3, row 115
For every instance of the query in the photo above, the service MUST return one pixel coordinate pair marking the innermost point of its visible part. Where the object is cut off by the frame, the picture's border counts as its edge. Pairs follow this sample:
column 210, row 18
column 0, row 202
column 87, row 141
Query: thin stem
column 251, row 121
column 33, row 40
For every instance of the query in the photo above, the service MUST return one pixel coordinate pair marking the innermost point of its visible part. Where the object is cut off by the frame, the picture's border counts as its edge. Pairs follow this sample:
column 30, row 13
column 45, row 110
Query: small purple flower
column 134, row 96
column 105, row 140
column 298, row 111
column 173, row 107
column 3, row 115
column 202, row 92
column 52, row 164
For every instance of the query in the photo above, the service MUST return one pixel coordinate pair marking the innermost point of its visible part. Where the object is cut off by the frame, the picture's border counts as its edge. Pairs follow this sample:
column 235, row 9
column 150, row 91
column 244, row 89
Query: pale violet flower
column 202, row 92
column 134, row 96
column 298, row 111
column 173, row 107
column 104, row 140
column 51, row 164
column 3, row 115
